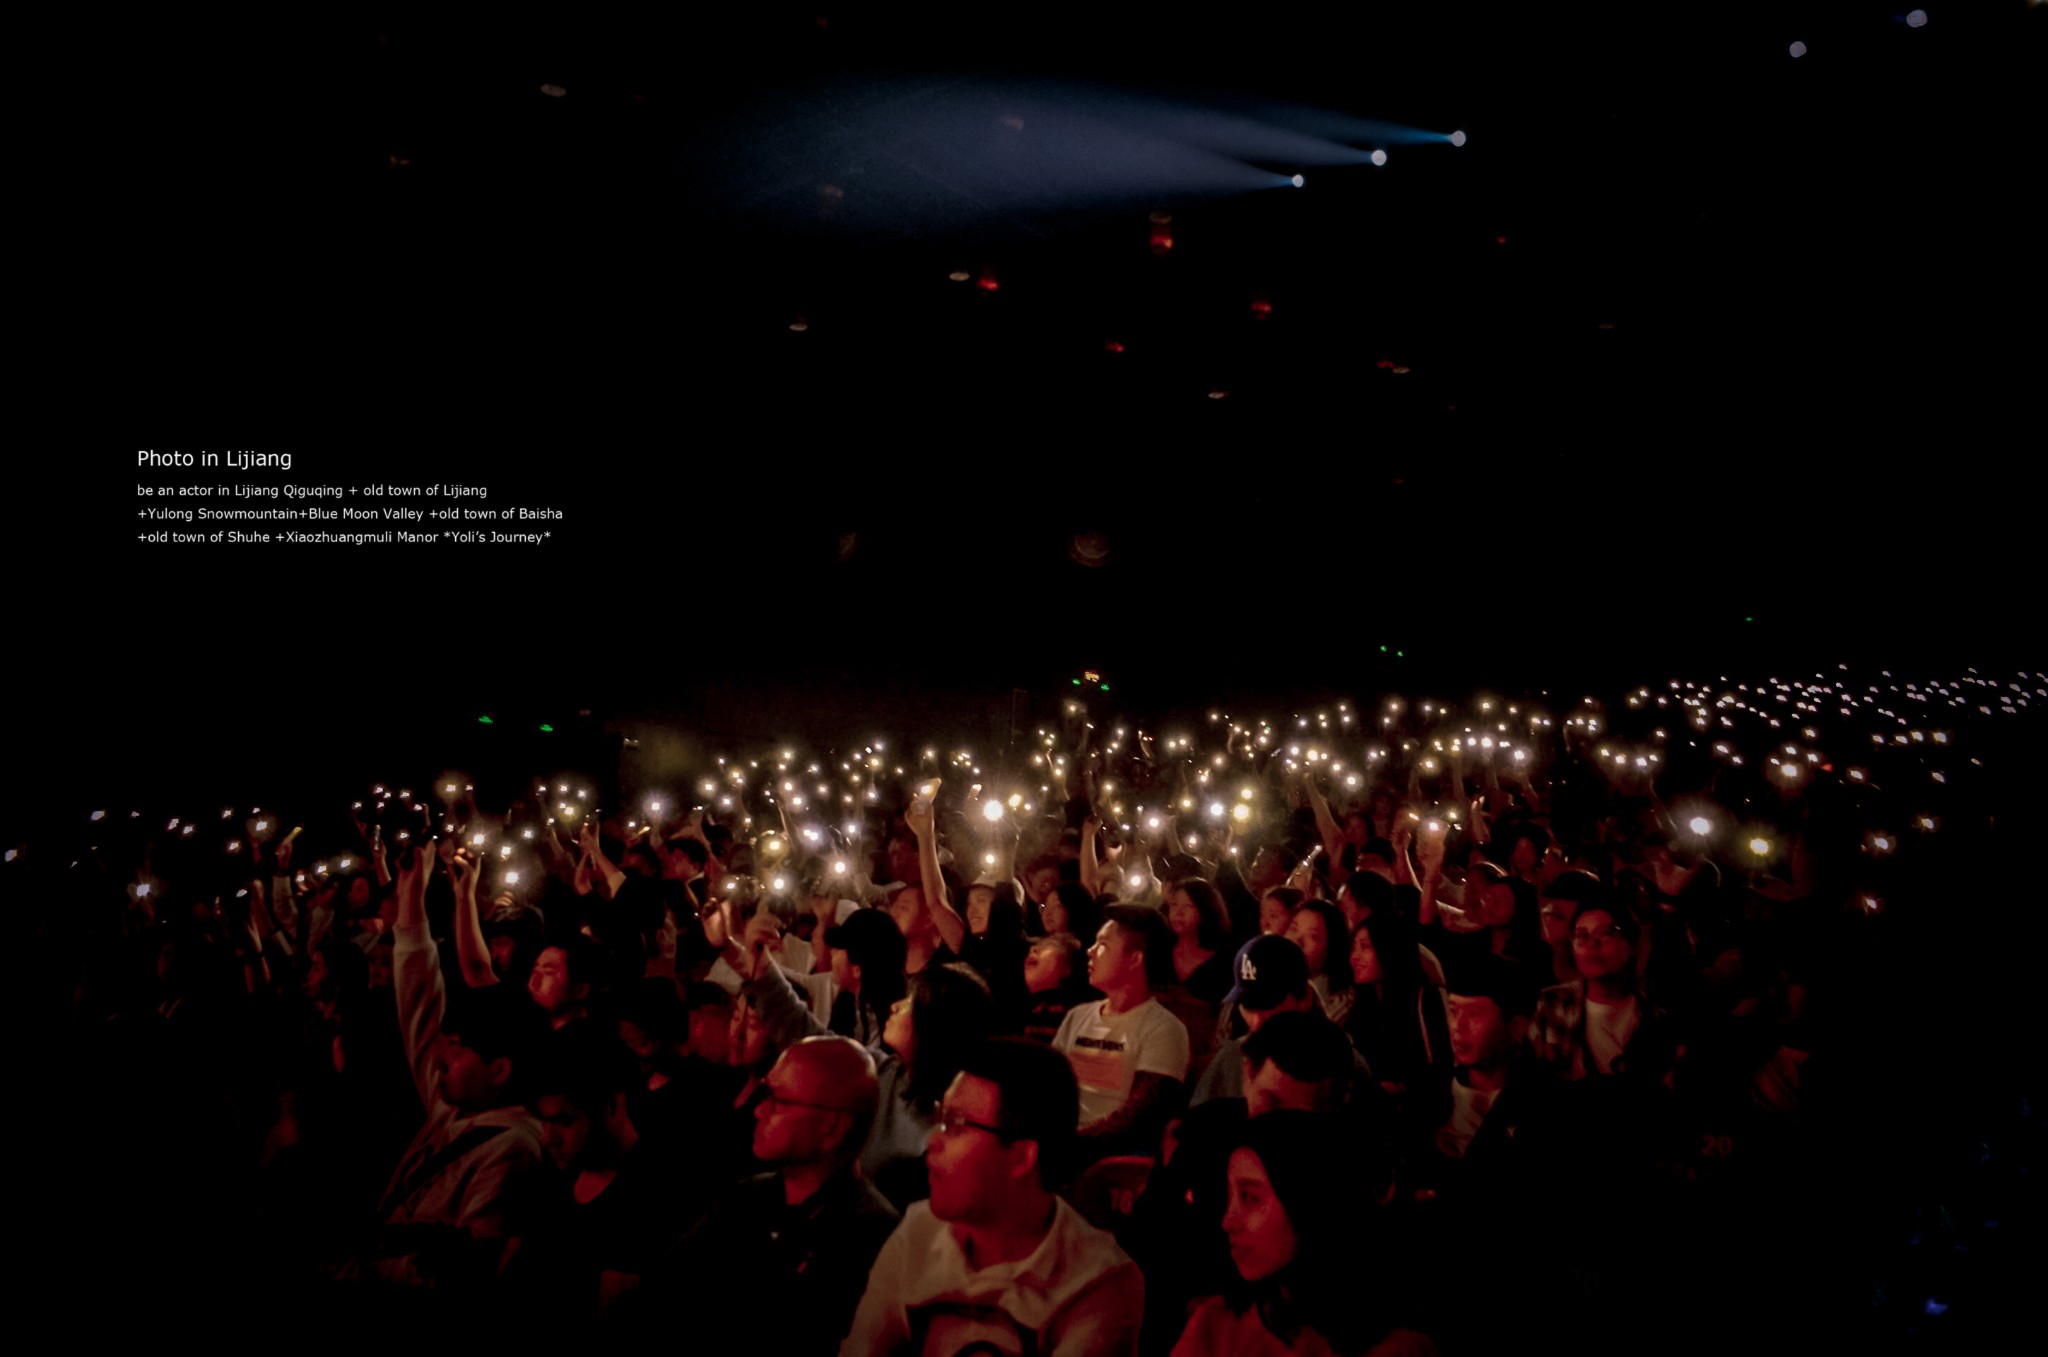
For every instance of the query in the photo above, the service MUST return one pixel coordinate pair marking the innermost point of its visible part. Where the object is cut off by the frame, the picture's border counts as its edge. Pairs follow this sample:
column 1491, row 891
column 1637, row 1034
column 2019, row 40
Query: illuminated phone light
column 1760, row 846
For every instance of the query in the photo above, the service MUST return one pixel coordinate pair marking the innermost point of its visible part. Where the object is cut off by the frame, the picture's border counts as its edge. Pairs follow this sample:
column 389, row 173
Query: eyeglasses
column 1587, row 937
column 949, row 1122
column 771, row 1098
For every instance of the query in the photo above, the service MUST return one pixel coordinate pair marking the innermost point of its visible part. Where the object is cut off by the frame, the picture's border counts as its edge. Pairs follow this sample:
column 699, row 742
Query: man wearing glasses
column 1600, row 1024
column 797, row 1242
column 995, row 1262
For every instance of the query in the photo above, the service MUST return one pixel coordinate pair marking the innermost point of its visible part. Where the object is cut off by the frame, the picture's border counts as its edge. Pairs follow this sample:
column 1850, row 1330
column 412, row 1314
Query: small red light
column 987, row 282
column 1110, row 345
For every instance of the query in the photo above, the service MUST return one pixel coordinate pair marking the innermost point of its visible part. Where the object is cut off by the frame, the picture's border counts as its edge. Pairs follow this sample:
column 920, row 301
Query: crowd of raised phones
column 1131, row 1047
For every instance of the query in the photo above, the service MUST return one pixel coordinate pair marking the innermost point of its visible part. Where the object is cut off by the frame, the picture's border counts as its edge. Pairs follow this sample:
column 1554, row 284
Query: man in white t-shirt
column 994, row 1262
column 1130, row 1056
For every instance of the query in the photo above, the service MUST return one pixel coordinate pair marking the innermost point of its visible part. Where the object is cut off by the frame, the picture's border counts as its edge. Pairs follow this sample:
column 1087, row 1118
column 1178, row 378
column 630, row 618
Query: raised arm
column 1326, row 824
column 416, row 973
column 471, row 950
column 784, row 1012
column 952, row 928
column 1091, row 861
column 607, row 877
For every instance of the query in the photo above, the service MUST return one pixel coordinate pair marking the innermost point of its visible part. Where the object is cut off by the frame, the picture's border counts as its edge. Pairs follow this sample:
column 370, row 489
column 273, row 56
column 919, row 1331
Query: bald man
column 795, row 1243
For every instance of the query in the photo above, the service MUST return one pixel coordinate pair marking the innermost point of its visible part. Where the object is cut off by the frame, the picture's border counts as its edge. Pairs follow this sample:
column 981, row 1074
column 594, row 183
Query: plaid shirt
column 1557, row 1034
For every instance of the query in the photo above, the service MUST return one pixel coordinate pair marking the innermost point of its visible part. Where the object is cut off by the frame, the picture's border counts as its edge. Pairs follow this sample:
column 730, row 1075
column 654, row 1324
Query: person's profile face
column 968, row 1163
column 1045, row 968
column 1110, row 958
column 794, row 1122
column 1262, row 1239
column 900, row 1030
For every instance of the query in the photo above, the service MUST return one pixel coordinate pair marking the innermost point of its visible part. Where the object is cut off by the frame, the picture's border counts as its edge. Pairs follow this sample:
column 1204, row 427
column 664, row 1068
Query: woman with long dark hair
column 1318, row 929
column 946, row 1014
column 1201, row 939
column 1397, row 1018
column 1304, row 1240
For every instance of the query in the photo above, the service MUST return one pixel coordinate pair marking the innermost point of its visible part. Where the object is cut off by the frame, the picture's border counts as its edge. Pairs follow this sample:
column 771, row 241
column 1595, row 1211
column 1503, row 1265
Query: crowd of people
column 1134, row 1043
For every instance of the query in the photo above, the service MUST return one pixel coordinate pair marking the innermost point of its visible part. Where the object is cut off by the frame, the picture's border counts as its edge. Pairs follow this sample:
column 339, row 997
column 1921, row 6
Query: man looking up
column 1130, row 1056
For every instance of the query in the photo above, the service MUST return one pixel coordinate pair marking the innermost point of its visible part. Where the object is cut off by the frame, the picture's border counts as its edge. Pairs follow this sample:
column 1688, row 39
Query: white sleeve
column 422, row 999
column 1163, row 1046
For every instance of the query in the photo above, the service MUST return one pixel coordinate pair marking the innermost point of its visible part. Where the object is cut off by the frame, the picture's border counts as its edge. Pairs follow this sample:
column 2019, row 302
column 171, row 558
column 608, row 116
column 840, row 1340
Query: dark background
column 1801, row 440
column 1721, row 363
